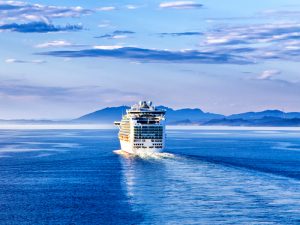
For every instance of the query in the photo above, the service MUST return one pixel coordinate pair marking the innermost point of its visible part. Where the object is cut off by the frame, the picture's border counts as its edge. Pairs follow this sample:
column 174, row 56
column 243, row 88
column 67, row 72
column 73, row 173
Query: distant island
column 185, row 116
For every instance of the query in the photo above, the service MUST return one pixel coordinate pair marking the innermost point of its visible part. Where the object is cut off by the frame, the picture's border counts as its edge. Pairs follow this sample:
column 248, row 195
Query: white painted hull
column 142, row 129
column 129, row 147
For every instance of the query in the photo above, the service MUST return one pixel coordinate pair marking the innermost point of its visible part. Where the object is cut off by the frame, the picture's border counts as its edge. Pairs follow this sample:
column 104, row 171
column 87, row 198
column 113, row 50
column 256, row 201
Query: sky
column 61, row 59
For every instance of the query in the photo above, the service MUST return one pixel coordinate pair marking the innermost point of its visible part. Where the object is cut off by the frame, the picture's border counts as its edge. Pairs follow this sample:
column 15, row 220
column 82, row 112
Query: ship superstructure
column 142, row 129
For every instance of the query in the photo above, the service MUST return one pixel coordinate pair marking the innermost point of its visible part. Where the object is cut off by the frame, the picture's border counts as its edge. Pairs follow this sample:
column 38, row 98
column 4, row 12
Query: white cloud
column 256, row 41
column 132, row 6
column 107, row 8
column 281, row 13
column 212, row 40
column 253, row 34
column 22, row 11
column 119, row 37
column 107, row 47
column 58, row 43
column 268, row 74
column 180, row 5
column 37, row 61
column 105, row 24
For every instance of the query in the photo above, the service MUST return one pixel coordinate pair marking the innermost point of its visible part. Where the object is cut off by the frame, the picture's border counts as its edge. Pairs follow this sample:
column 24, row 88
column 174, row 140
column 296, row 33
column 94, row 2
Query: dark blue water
column 211, row 177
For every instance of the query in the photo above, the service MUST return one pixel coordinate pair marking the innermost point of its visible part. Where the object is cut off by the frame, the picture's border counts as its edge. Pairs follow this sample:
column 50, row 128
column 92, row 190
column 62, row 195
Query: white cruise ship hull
column 126, row 146
column 142, row 129
column 129, row 147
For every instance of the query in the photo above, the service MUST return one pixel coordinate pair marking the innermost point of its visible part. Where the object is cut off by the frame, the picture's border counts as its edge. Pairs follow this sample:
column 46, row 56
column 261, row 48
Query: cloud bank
column 38, row 27
column 18, row 16
column 252, row 34
column 22, row 11
column 264, row 41
column 21, row 90
column 152, row 55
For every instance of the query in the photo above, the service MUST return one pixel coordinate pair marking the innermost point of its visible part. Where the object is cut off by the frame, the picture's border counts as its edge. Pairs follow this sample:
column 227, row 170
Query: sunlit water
column 204, row 177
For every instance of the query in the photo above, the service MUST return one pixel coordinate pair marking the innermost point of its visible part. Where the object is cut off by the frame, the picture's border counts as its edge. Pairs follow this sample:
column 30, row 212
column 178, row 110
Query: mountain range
column 196, row 116
column 186, row 116
column 109, row 115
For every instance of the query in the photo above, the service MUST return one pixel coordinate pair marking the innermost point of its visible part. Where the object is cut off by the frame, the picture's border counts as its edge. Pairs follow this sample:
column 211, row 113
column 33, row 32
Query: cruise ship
column 142, row 129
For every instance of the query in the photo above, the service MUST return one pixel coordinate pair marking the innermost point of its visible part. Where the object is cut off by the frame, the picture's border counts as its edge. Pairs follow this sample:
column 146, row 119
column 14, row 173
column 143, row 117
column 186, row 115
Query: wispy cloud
column 22, row 11
column 181, row 5
column 109, row 36
column 152, row 55
column 105, row 24
column 57, row 44
column 118, row 34
column 19, row 88
column 37, row 61
column 176, row 34
column 281, row 13
column 133, row 6
column 106, row 8
column 253, row 34
column 265, row 41
column 38, row 27
column 107, row 47
column 21, row 98
column 268, row 74
column 112, row 8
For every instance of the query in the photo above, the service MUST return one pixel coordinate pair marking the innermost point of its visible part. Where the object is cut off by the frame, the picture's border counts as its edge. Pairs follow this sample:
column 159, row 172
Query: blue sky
column 62, row 59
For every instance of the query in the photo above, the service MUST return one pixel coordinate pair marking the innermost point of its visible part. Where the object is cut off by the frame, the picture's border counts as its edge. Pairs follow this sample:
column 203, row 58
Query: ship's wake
column 146, row 155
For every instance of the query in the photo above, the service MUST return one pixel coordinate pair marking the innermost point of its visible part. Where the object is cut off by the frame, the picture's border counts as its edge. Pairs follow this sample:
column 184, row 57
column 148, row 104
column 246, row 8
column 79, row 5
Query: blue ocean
column 206, row 177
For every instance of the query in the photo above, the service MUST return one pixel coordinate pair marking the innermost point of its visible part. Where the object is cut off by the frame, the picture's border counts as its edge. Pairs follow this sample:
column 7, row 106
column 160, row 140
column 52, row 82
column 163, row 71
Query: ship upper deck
column 145, row 108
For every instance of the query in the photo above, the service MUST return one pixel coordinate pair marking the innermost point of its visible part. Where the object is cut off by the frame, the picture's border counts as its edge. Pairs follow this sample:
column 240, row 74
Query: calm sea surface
column 210, row 177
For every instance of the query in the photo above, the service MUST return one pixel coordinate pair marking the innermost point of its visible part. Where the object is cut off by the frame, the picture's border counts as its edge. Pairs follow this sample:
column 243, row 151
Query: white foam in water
column 160, row 155
column 286, row 146
column 146, row 155
column 191, row 191
column 6, row 151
